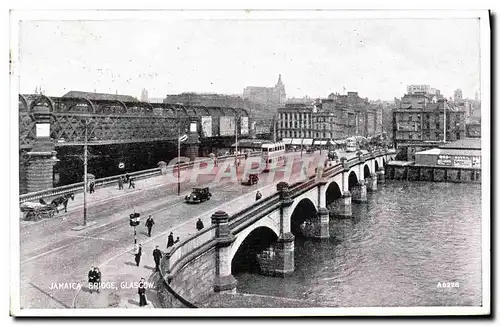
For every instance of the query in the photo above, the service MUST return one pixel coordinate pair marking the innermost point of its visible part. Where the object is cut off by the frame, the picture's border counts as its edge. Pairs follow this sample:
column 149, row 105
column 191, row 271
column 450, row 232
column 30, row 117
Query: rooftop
column 467, row 143
column 100, row 96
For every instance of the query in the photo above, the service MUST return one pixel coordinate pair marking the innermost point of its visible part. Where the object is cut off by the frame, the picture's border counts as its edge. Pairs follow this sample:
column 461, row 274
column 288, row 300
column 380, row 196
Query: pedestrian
column 131, row 183
column 97, row 280
column 177, row 240
column 120, row 183
column 157, row 258
column 258, row 195
column 142, row 293
column 91, row 187
column 127, row 178
column 170, row 241
column 199, row 224
column 215, row 160
column 149, row 224
column 138, row 255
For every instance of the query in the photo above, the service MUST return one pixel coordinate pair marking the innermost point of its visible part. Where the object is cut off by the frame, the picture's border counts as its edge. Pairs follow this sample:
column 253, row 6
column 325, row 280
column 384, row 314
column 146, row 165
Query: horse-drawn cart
column 36, row 211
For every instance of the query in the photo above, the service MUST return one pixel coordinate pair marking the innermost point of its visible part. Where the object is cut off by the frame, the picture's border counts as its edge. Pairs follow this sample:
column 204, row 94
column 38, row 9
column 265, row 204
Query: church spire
column 279, row 80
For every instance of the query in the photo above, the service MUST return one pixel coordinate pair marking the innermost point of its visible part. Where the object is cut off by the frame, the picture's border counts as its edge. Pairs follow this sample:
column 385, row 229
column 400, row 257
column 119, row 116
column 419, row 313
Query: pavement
column 55, row 259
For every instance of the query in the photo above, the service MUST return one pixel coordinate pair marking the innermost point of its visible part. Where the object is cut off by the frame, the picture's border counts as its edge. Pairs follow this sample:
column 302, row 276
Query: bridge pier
column 371, row 183
column 342, row 206
column 381, row 176
column 42, row 158
column 279, row 260
column 359, row 192
column 224, row 280
column 321, row 224
column 193, row 145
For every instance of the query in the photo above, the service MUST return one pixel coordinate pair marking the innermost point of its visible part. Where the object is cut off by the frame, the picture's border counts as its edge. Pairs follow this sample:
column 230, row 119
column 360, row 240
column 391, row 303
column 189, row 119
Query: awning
column 296, row 141
column 287, row 141
column 308, row 141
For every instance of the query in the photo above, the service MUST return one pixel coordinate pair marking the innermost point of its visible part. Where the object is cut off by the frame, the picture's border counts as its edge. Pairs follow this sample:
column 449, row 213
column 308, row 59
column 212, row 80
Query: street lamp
column 134, row 221
column 85, row 149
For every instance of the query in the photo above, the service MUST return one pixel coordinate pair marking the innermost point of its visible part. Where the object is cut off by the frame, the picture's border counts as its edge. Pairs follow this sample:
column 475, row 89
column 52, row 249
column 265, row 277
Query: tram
column 351, row 144
column 271, row 153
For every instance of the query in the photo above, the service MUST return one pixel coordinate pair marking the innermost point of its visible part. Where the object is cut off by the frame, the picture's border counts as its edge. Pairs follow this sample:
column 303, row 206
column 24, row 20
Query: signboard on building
column 462, row 161
column 193, row 126
column 444, row 160
column 244, row 125
column 206, row 126
column 227, row 126
column 417, row 89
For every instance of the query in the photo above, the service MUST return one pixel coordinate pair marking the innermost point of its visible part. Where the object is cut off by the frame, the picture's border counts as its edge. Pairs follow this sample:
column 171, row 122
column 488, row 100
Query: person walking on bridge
column 149, row 224
column 131, row 183
column 120, row 183
column 199, row 224
column 157, row 257
column 258, row 195
column 142, row 293
column 170, row 241
column 138, row 256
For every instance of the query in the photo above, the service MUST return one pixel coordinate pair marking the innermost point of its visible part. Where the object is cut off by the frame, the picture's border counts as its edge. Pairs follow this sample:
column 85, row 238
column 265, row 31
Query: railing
column 113, row 180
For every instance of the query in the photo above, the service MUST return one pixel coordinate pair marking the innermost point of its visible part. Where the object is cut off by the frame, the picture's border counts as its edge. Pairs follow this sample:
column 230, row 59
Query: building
column 457, row 95
column 267, row 96
column 422, row 121
column 333, row 118
column 463, row 153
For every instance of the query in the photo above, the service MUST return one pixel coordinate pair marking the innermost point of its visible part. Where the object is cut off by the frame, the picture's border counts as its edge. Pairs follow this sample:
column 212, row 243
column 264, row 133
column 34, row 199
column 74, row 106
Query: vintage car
column 198, row 195
column 332, row 155
column 250, row 179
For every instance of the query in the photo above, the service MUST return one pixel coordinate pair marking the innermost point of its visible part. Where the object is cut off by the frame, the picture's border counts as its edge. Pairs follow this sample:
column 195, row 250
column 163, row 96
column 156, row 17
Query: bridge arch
column 247, row 246
column 352, row 180
column 333, row 192
column 366, row 171
column 303, row 211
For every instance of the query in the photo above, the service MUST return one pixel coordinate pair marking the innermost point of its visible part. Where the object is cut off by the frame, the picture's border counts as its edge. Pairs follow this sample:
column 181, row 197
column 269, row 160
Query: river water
column 394, row 251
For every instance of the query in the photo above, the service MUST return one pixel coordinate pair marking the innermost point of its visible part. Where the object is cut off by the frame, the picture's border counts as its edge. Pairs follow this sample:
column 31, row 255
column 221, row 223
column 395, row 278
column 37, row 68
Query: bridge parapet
column 208, row 248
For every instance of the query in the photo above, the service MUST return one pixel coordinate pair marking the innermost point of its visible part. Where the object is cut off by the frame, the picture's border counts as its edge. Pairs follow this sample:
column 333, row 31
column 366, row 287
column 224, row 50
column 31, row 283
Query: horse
column 62, row 200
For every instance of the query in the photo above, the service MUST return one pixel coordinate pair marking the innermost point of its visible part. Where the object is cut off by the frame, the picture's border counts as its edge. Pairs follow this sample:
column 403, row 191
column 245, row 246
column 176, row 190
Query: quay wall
column 433, row 173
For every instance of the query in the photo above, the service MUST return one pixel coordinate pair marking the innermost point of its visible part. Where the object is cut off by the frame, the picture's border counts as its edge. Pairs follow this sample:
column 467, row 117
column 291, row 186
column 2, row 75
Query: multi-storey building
column 336, row 117
column 422, row 121
column 295, row 121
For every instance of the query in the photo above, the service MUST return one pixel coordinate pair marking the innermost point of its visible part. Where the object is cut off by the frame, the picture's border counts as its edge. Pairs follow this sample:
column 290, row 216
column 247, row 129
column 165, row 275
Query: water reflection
column 394, row 251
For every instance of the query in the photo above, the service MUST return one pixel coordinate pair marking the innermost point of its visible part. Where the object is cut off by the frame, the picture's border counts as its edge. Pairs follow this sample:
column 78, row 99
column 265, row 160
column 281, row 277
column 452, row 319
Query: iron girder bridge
column 114, row 121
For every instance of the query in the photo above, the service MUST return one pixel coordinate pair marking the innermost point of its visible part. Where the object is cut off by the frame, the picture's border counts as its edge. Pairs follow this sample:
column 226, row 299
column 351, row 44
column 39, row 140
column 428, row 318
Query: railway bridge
column 122, row 135
column 261, row 236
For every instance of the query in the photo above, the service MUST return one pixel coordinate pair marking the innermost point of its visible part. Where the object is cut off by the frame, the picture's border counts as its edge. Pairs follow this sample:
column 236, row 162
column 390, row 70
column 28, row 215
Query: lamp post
column 178, row 153
column 85, row 175
column 134, row 221
column 301, row 137
column 236, row 139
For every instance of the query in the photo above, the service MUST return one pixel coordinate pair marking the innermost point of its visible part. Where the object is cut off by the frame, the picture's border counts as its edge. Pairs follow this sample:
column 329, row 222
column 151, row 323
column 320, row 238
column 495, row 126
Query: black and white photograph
column 218, row 162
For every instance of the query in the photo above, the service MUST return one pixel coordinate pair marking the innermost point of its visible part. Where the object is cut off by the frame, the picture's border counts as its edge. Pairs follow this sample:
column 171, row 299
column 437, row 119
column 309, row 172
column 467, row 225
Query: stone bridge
column 260, row 238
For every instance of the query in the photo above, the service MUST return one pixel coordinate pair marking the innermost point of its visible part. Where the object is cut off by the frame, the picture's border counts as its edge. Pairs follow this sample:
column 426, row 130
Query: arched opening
column 352, row 181
column 333, row 193
column 376, row 166
column 366, row 172
column 245, row 259
column 303, row 212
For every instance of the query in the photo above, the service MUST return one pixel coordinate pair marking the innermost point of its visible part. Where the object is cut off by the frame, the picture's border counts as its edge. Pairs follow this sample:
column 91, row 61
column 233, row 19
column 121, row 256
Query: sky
column 377, row 58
